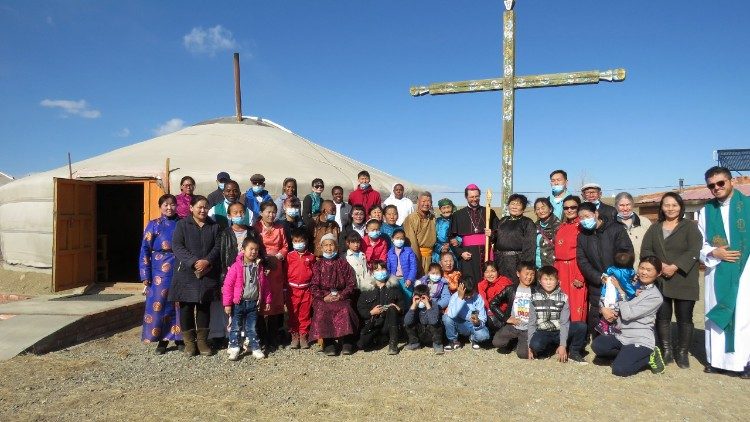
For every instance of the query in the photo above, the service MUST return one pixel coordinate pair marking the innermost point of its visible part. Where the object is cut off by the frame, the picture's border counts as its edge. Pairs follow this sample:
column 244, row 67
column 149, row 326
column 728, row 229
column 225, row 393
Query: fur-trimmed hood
column 369, row 282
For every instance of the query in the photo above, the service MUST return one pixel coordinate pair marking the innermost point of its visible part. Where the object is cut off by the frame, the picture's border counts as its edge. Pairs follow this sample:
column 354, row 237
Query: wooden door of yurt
column 74, row 234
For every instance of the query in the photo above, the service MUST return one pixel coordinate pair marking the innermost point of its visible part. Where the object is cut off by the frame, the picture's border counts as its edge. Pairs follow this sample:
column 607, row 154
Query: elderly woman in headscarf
column 404, row 205
column 442, row 225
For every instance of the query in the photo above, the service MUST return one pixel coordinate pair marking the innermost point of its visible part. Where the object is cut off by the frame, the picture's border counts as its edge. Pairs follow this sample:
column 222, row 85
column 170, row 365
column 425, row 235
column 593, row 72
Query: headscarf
column 445, row 201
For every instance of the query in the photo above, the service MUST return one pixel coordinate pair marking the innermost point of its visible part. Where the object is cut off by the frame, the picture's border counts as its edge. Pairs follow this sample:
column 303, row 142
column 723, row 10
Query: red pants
column 298, row 304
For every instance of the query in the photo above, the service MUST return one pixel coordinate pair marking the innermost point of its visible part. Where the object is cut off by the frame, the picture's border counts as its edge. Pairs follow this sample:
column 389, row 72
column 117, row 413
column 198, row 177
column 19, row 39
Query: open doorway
column 119, row 226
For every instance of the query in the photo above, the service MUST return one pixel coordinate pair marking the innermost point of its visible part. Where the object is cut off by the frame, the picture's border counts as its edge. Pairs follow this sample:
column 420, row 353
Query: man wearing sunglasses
column 723, row 222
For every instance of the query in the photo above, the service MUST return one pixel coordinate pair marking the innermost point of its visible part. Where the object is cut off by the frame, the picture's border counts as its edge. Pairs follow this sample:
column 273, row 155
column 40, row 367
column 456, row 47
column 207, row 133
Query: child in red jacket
column 246, row 288
column 373, row 244
column 298, row 297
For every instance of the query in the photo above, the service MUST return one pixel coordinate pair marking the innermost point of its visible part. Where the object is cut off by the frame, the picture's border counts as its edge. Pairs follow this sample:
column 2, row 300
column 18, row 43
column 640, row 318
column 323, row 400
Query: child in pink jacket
column 246, row 288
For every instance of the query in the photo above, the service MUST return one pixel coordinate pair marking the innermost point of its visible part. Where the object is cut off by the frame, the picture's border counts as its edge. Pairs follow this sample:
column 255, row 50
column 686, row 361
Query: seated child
column 379, row 306
column 246, row 287
column 511, row 310
column 437, row 285
column 356, row 258
column 491, row 285
column 390, row 216
column 422, row 321
column 299, row 265
column 448, row 264
column 373, row 244
column 620, row 285
column 402, row 264
column 549, row 321
column 333, row 283
column 466, row 316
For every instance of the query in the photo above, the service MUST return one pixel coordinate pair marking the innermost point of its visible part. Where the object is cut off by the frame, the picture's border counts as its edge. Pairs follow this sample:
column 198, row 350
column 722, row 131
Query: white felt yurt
column 5, row 178
column 27, row 206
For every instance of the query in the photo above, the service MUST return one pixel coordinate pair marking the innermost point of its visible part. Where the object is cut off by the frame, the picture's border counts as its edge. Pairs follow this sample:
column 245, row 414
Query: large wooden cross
column 508, row 83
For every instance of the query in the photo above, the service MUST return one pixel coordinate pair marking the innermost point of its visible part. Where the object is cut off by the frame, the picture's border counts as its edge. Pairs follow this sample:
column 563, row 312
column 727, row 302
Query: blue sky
column 91, row 76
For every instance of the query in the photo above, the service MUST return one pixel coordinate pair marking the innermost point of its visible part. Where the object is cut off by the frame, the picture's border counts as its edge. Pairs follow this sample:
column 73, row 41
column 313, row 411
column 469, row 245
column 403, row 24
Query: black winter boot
column 664, row 337
column 393, row 340
column 684, row 340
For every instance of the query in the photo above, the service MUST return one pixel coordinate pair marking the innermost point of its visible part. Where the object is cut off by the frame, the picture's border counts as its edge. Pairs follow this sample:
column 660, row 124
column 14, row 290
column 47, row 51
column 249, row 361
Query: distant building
column 695, row 198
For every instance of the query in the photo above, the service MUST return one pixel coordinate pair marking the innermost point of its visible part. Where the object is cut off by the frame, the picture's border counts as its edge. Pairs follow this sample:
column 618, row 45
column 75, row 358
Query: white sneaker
column 234, row 353
column 258, row 354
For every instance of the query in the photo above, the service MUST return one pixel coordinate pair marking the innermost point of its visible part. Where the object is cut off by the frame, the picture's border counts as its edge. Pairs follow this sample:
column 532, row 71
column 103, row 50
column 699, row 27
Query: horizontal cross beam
column 520, row 82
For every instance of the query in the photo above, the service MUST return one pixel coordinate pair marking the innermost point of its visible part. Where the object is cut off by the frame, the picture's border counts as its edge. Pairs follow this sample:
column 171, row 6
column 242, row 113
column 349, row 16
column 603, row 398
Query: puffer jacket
column 234, row 283
column 408, row 263
column 228, row 248
column 502, row 305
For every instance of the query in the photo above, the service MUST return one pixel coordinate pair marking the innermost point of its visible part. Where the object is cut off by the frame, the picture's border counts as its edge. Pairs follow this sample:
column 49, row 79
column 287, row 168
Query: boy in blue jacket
column 466, row 316
column 422, row 321
column 401, row 262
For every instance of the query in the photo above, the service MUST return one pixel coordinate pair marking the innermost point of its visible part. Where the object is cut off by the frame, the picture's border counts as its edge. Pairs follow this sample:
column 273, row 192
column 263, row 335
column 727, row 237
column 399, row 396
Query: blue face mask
column 380, row 275
column 258, row 189
column 330, row 217
column 421, row 305
column 221, row 186
column 374, row 234
column 596, row 203
column 299, row 246
column 292, row 212
column 557, row 189
column 330, row 255
column 588, row 223
column 622, row 216
column 399, row 243
column 364, row 186
column 435, row 278
column 237, row 220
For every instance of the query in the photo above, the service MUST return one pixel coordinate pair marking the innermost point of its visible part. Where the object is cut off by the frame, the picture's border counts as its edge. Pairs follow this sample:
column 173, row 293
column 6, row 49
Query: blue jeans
column 459, row 326
column 244, row 316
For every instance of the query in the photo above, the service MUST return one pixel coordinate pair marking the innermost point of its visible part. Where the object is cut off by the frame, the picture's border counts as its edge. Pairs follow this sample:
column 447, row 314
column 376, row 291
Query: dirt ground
column 24, row 283
column 118, row 378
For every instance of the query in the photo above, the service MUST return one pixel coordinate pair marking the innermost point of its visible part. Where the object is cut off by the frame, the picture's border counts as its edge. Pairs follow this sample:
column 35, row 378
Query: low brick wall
column 92, row 326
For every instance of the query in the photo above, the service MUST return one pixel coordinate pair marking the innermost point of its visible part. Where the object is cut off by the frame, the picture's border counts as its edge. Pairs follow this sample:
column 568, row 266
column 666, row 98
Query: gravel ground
column 118, row 378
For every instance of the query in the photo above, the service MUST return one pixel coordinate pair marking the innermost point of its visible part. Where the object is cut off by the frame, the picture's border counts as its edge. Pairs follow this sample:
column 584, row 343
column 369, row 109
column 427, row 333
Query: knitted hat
column 328, row 236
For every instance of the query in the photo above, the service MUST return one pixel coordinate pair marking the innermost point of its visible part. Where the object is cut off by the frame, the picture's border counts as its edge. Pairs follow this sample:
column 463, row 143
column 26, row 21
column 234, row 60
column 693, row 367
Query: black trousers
column 377, row 327
column 194, row 315
column 508, row 335
column 425, row 334
column 683, row 310
column 268, row 329
column 629, row 359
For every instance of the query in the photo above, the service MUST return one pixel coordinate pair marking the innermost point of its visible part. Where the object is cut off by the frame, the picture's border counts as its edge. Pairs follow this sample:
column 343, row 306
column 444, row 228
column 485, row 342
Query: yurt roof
column 5, row 178
column 255, row 145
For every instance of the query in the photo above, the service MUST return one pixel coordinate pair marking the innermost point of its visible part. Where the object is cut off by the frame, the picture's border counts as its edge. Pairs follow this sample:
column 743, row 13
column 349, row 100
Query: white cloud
column 209, row 41
column 72, row 108
column 171, row 125
column 123, row 133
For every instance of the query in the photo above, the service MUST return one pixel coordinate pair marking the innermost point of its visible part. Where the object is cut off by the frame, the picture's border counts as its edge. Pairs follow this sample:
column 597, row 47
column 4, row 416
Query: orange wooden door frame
column 73, row 234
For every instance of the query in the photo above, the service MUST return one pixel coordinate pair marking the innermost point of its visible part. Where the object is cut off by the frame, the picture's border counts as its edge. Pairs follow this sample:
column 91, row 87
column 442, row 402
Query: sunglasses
column 571, row 208
column 719, row 184
column 318, row 186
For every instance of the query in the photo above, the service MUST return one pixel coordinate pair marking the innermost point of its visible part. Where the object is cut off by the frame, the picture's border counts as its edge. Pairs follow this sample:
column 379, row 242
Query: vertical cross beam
column 509, row 102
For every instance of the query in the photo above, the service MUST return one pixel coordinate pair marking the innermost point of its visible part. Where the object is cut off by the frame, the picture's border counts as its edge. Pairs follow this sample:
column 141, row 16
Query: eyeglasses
column 571, row 208
column 719, row 184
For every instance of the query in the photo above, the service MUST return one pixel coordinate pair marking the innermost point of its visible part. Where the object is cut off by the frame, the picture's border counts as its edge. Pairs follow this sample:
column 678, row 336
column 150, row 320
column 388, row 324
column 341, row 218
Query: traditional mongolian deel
column 160, row 320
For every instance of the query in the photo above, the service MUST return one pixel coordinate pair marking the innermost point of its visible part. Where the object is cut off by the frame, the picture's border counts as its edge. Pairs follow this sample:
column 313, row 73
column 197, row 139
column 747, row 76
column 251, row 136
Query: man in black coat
column 601, row 238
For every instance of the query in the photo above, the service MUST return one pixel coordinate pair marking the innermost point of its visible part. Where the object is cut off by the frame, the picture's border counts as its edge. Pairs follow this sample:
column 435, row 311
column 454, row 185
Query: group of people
column 224, row 270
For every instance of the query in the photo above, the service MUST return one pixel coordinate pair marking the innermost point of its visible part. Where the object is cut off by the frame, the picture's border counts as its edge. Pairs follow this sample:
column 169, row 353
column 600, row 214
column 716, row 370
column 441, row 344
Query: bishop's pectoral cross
column 508, row 84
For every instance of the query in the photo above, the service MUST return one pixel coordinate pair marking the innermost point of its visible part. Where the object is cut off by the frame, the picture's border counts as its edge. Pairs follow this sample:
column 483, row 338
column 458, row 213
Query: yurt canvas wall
column 201, row 151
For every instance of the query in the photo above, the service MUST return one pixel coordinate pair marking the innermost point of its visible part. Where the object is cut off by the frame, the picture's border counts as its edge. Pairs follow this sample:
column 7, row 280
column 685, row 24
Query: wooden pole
column 237, row 92
column 70, row 167
column 166, row 177
column 487, row 211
